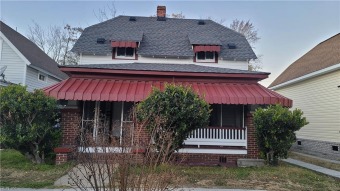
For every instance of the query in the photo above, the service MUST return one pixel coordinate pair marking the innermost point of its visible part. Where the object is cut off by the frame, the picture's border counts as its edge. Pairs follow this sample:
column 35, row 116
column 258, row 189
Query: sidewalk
column 315, row 168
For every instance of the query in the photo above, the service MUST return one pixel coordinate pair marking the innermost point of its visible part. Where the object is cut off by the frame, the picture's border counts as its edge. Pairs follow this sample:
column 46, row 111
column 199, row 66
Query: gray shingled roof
column 167, row 68
column 173, row 37
column 32, row 52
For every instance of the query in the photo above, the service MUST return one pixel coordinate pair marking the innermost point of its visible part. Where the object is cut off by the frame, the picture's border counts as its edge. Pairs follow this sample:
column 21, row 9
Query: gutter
column 308, row 76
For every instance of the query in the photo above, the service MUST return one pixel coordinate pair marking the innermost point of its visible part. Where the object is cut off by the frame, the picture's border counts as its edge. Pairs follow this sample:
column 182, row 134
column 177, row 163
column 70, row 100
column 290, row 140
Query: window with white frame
column 227, row 116
column 42, row 77
column 107, row 121
column 1, row 42
column 203, row 56
column 125, row 52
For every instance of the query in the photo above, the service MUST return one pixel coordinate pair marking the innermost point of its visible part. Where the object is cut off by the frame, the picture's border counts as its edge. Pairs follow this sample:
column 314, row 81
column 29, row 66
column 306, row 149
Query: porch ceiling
column 137, row 90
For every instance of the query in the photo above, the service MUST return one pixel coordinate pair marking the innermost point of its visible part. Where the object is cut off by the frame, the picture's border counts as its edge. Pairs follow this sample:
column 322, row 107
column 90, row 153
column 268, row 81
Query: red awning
column 123, row 44
column 207, row 48
column 137, row 90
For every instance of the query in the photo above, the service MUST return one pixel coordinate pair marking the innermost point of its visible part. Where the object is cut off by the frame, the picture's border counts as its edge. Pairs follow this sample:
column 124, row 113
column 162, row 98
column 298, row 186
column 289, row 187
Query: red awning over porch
column 137, row 90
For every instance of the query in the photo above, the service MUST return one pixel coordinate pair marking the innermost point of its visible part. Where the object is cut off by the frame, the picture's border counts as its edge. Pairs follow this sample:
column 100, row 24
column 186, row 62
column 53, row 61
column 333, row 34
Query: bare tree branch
column 106, row 13
column 247, row 29
column 56, row 41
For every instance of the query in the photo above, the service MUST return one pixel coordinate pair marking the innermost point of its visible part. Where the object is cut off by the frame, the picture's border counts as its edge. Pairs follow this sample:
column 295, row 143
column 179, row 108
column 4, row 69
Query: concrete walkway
column 313, row 167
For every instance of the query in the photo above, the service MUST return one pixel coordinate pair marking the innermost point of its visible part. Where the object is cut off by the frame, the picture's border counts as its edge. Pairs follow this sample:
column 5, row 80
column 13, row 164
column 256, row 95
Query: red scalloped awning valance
column 124, row 44
column 138, row 90
column 207, row 48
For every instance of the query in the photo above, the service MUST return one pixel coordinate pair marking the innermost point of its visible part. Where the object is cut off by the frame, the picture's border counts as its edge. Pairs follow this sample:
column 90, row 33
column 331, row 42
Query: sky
column 288, row 29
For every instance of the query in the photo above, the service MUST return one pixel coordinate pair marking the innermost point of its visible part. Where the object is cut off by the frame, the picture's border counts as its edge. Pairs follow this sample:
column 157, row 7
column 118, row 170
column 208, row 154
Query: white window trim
column 46, row 76
column 125, row 57
column 1, row 42
column 205, row 60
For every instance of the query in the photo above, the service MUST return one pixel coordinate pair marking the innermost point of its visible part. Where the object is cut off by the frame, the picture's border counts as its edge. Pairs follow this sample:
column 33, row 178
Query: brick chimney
column 161, row 13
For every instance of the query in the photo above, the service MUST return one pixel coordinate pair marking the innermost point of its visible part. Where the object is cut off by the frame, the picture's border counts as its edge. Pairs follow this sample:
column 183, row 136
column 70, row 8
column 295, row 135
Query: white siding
column 15, row 65
column 96, row 59
column 319, row 99
column 33, row 82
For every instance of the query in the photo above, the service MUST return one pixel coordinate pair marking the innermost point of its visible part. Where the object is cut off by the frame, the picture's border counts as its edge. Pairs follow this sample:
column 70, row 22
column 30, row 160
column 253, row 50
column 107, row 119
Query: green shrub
column 177, row 110
column 27, row 122
column 275, row 130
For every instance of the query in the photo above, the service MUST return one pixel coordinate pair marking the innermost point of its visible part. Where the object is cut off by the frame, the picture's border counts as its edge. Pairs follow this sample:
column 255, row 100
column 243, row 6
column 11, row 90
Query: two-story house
column 25, row 62
column 123, row 58
column 313, row 82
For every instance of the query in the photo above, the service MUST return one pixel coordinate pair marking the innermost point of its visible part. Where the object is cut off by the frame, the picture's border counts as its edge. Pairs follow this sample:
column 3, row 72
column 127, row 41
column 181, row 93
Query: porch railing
column 218, row 136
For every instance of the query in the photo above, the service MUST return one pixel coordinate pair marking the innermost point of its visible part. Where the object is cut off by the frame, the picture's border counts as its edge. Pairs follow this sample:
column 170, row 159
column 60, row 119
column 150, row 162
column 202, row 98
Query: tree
column 247, row 29
column 27, row 122
column 275, row 131
column 106, row 13
column 177, row 109
column 56, row 41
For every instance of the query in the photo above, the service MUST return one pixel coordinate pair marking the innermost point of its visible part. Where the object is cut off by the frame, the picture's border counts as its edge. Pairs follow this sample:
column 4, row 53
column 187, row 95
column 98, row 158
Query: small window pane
column 127, row 111
column 200, row 55
column 209, row 55
column 215, row 116
column 129, row 52
column 120, row 51
column 41, row 77
column 232, row 115
column 88, row 110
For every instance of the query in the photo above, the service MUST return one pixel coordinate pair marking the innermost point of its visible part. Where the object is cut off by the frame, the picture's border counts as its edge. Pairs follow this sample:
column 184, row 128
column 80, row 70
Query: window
column 205, row 56
column 1, row 42
column 226, row 116
column 42, row 77
column 107, row 121
column 125, row 52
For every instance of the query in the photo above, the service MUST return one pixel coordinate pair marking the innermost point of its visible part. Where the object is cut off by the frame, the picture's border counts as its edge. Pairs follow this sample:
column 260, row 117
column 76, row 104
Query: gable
column 324, row 55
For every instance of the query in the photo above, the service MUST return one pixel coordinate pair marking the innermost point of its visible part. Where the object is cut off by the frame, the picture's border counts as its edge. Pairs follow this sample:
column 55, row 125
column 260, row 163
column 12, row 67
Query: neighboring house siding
column 15, row 65
column 33, row 82
column 319, row 99
column 96, row 59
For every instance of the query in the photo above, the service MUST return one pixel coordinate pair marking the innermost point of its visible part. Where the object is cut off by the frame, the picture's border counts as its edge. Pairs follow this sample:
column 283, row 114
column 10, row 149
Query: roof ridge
column 328, row 39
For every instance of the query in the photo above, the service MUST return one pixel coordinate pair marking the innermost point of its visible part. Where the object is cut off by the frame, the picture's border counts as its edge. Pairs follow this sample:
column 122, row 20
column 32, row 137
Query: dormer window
column 124, row 50
column 206, row 53
column 205, row 56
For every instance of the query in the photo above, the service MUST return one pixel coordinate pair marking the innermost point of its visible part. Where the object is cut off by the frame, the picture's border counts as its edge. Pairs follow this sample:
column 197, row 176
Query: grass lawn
column 17, row 171
column 325, row 164
column 284, row 177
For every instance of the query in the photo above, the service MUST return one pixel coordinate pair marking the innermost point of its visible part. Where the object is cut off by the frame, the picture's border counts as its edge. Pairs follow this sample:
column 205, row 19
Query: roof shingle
column 173, row 37
column 167, row 68
column 325, row 54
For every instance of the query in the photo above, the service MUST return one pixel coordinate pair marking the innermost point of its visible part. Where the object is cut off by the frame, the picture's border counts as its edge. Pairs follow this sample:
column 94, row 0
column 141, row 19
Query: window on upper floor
column 42, row 77
column 205, row 56
column 1, row 42
column 125, row 52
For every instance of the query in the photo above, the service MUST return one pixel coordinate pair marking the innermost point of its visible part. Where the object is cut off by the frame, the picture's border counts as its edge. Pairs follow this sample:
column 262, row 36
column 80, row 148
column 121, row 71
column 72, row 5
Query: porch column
column 252, row 148
column 70, row 123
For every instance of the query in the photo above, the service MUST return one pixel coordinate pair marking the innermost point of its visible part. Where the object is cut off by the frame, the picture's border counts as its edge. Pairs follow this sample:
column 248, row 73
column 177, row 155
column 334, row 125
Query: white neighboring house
column 26, row 63
column 313, row 83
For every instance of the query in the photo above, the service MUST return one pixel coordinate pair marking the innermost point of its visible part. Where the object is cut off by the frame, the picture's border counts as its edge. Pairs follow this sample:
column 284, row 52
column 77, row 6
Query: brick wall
column 209, row 159
column 70, row 128
column 253, row 150
column 70, row 121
